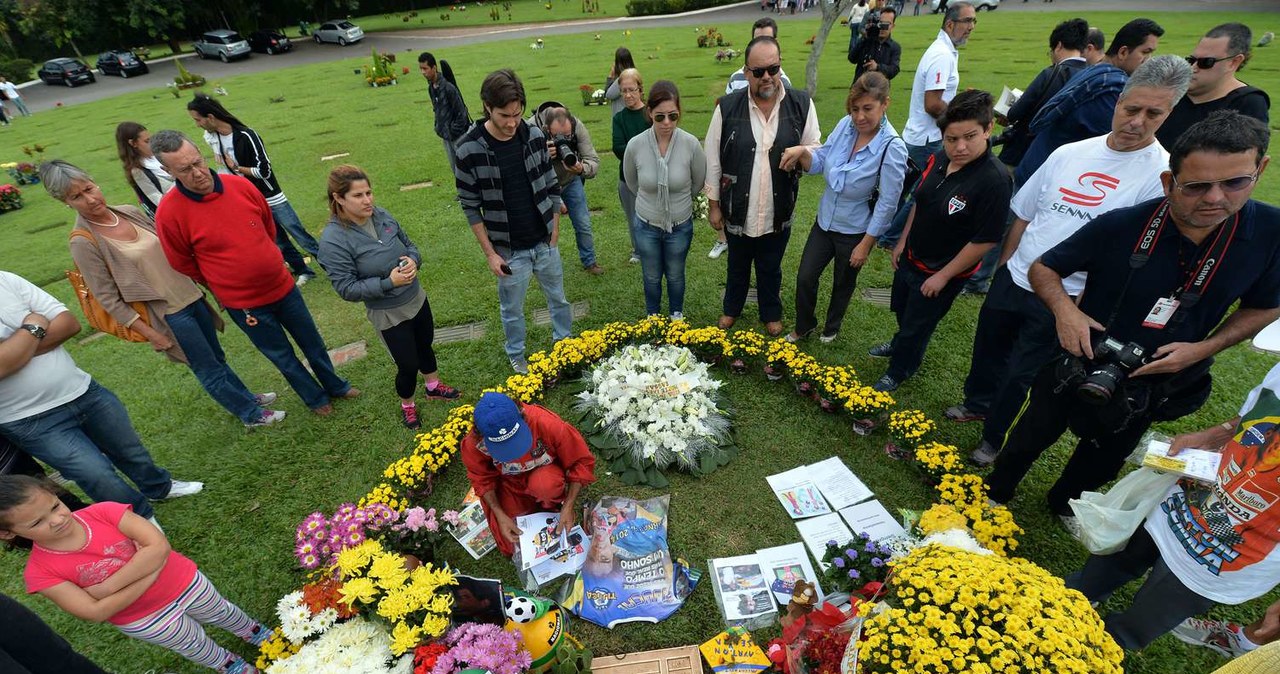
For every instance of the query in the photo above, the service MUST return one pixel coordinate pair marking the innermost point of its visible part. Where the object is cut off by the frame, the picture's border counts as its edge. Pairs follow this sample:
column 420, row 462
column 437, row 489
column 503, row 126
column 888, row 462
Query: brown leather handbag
column 97, row 315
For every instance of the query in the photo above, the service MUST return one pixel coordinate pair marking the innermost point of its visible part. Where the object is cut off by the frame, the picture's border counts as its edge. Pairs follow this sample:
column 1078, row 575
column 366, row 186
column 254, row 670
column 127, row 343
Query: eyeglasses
column 1207, row 62
column 1199, row 189
column 193, row 167
column 759, row 72
column 971, row 20
column 631, row 90
column 664, row 116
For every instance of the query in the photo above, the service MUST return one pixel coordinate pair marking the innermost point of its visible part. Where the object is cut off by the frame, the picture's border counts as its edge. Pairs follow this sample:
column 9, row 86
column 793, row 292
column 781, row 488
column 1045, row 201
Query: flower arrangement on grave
column 303, row 615
column 414, row 604
column 319, row 539
column 592, row 95
column 966, row 496
column 379, row 74
column 727, row 55
column 185, row 79
column 857, row 567
column 711, row 38
column 649, row 407
column 417, row 533
column 10, row 198
column 356, row 646
column 24, row 172
column 482, row 647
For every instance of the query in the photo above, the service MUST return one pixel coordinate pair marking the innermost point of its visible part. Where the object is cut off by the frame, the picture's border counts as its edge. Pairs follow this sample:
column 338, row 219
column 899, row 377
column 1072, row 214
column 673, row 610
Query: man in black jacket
column 877, row 51
column 1066, row 47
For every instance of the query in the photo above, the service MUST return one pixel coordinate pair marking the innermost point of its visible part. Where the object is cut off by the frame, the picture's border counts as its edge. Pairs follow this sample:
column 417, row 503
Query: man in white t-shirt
column 57, row 413
column 936, row 81
column 1016, row 333
column 1205, row 544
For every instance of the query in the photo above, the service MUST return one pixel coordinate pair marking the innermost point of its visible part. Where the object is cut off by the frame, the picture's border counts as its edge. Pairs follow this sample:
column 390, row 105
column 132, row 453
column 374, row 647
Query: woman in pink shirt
column 106, row 564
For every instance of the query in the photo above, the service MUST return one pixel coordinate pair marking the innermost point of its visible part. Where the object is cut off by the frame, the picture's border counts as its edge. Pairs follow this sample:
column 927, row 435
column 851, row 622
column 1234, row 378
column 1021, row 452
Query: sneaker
column 881, row 350
column 442, row 391
column 260, row 635
column 961, row 414
column 886, row 384
column 1217, row 635
column 352, row 392
column 264, row 399
column 984, row 455
column 635, row 259
column 266, row 418
column 828, row 338
column 793, row 337
column 520, row 365
column 155, row 523
column 180, row 488
column 718, row 250
column 1072, row 524
column 594, row 270
column 303, row 279
column 409, row 417
column 677, row 316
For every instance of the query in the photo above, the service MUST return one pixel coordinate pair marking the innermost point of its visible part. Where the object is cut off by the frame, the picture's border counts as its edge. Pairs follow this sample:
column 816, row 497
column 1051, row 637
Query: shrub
column 654, row 7
column 16, row 70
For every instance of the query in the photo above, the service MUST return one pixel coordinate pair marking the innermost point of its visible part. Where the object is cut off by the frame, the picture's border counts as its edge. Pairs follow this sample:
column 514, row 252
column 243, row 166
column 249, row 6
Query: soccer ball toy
column 522, row 609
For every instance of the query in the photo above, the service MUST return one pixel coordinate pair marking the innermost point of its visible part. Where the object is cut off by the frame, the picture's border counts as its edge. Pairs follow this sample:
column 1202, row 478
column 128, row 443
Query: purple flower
column 414, row 519
column 865, row 536
column 453, row 517
column 853, row 574
column 877, row 562
column 839, row 562
column 851, row 554
column 872, row 547
column 832, row 543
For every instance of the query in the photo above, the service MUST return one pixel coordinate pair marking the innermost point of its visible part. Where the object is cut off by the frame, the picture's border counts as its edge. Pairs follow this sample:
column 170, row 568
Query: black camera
column 566, row 148
column 1113, row 360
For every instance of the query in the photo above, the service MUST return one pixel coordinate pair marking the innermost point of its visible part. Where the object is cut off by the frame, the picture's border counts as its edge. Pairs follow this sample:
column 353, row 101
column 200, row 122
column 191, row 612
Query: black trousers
column 765, row 253
column 1016, row 336
column 820, row 249
column 1040, row 422
column 28, row 646
column 410, row 346
column 918, row 316
column 1160, row 604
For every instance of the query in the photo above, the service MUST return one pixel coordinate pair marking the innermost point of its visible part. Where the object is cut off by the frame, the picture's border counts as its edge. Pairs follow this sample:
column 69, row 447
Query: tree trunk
column 832, row 10
column 74, row 48
column 175, row 45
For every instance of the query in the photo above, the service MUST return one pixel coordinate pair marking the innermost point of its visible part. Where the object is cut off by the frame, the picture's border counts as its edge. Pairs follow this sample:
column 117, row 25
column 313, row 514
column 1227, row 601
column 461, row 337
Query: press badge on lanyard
column 1197, row 278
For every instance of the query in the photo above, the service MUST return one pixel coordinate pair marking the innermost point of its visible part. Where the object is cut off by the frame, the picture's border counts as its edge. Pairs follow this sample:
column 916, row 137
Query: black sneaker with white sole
column 881, row 350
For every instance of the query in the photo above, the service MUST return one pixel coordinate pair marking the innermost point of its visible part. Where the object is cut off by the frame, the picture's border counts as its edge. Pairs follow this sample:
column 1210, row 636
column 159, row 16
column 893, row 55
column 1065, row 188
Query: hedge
column 16, row 70
column 655, row 7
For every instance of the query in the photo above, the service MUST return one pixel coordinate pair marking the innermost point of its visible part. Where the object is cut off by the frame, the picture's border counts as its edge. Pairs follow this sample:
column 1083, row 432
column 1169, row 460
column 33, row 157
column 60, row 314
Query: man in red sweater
column 523, row 460
column 218, row 230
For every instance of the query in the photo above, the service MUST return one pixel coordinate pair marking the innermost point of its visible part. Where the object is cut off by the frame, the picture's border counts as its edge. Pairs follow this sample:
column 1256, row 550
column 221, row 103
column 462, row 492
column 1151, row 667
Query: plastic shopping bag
column 1107, row 521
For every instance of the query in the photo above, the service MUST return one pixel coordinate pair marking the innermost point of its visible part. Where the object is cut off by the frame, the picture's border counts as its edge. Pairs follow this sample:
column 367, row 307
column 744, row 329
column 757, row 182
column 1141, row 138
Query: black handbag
column 908, row 180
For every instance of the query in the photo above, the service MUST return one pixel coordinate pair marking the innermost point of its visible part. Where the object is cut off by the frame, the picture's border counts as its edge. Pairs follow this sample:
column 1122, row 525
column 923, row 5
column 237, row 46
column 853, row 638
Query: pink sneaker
column 1217, row 635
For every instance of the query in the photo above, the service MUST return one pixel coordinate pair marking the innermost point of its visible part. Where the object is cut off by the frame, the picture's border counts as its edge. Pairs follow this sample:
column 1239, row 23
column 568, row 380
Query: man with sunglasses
column 1222, row 52
column 1161, row 276
column 751, row 197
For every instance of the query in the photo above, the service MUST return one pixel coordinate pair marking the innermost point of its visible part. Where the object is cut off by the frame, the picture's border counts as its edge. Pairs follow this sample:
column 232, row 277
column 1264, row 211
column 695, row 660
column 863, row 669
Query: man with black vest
column 1222, row 53
column 1162, row 275
column 751, row 197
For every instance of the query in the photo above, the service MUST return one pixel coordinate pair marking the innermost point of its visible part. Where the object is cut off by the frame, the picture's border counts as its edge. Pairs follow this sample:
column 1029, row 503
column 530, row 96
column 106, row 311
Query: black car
column 269, row 42
column 65, row 71
column 121, row 62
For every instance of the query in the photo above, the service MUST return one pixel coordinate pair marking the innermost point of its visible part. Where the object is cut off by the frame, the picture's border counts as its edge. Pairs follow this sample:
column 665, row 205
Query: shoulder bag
column 97, row 315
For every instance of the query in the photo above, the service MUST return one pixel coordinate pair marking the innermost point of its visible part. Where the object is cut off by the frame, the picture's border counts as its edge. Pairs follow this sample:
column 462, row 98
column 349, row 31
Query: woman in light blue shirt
column 864, row 163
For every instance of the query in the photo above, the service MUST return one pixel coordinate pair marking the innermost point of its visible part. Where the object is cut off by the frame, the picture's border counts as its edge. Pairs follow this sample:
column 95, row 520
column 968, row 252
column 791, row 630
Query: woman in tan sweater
column 118, row 254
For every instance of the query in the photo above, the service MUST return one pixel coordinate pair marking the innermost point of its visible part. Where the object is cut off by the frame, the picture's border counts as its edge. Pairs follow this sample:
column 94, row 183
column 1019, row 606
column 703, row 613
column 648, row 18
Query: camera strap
column 1197, row 278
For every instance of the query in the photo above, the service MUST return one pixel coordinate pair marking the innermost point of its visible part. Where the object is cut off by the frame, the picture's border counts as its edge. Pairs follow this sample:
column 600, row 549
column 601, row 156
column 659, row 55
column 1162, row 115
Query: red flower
column 424, row 657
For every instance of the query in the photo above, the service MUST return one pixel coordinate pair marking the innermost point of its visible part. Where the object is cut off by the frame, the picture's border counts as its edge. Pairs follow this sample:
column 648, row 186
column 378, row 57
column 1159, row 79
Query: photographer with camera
column 575, row 160
column 877, row 51
column 1161, row 276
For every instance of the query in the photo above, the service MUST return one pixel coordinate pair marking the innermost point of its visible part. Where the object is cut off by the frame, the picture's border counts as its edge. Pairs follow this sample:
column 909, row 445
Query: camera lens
column 1100, row 385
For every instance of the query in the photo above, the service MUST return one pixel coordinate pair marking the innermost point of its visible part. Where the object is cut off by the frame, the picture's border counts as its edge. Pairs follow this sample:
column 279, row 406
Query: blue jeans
column 286, row 217
column 543, row 262
column 575, row 199
column 920, row 155
column 628, row 200
column 268, row 334
column 297, row 264
column 193, row 329
column 663, row 254
column 86, row 440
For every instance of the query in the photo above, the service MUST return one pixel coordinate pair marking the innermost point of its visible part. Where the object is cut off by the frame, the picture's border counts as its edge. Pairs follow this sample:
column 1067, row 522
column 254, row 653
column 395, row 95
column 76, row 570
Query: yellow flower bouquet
column 414, row 604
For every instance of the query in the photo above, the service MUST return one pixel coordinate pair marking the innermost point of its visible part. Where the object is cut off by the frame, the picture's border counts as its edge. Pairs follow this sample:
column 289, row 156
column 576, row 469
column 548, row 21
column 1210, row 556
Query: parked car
column 121, row 62
column 269, row 42
column 978, row 5
column 342, row 32
column 224, row 44
column 65, row 71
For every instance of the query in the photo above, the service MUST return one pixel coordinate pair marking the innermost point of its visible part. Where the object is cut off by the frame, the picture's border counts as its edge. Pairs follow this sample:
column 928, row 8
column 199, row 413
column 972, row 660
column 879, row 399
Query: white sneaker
column 264, row 399
column 302, row 279
column 827, row 339
column 677, row 316
column 635, row 259
column 1072, row 525
column 1217, row 635
column 180, row 488
column 718, row 250
column 267, row 418
column 153, row 521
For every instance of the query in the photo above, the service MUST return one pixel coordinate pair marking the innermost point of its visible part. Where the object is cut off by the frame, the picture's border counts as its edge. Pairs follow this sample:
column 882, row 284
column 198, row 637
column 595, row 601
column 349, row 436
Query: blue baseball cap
column 506, row 434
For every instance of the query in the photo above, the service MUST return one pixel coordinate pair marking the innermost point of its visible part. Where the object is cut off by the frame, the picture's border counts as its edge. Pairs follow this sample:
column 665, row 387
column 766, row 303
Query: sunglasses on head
column 1199, row 189
column 664, row 116
column 1207, row 62
column 759, row 72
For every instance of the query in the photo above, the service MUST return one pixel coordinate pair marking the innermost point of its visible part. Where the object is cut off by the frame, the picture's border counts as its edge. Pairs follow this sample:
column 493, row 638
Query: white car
column 341, row 32
column 221, row 44
column 978, row 5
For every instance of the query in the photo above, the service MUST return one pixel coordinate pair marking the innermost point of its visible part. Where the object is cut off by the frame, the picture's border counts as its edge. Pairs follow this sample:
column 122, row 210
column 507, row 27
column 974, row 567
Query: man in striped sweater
column 511, row 197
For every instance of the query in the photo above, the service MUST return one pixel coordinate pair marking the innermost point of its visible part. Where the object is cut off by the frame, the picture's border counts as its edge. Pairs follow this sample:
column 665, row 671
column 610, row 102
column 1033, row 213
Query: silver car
column 978, row 5
column 341, row 32
column 223, row 44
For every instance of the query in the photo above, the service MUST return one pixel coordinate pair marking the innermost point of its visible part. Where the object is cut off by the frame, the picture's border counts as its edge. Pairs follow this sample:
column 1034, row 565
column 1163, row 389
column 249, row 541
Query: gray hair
column 164, row 142
column 57, row 176
column 1168, row 72
column 953, row 11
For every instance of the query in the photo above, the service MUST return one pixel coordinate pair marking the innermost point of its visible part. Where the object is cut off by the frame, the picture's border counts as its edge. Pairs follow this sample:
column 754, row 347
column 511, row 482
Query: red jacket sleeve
column 480, row 469
column 567, row 444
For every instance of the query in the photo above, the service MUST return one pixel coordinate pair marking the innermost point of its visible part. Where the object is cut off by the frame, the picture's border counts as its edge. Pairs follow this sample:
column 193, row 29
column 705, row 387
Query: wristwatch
column 35, row 330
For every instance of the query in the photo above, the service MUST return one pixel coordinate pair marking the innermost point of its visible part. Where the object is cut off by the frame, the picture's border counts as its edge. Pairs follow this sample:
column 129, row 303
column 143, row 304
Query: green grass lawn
column 261, row 484
column 478, row 14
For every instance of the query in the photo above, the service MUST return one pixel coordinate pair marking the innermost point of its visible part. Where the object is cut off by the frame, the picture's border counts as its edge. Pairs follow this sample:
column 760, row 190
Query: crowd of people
column 1114, row 238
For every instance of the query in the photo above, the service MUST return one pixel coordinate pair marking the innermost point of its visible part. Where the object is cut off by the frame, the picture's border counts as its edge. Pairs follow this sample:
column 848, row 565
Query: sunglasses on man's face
column 759, row 72
column 664, row 116
column 1207, row 62
column 1199, row 189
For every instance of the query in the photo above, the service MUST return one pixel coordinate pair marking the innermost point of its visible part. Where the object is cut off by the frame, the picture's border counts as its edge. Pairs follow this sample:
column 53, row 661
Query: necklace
column 114, row 224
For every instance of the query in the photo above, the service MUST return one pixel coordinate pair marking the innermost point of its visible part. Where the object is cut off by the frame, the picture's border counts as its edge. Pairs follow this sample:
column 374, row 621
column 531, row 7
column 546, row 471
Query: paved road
column 42, row 97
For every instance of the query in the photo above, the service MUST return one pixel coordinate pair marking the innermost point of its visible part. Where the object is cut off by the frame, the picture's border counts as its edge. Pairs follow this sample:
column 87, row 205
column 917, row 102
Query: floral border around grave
column 947, row 631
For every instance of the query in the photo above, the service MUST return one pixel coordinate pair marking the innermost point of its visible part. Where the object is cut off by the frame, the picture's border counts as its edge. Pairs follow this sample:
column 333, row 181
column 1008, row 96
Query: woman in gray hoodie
column 370, row 259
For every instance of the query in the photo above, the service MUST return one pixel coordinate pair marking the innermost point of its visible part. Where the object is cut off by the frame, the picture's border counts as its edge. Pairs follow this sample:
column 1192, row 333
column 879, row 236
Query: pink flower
column 415, row 518
column 452, row 517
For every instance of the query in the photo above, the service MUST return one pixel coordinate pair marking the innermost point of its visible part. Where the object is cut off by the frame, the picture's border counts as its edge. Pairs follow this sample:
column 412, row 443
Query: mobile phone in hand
column 506, row 269
column 404, row 262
